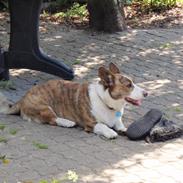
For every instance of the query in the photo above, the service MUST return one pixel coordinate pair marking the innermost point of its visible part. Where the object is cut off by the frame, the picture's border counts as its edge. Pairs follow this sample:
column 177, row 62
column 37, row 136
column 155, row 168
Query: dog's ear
column 107, row 78
column 113, row 68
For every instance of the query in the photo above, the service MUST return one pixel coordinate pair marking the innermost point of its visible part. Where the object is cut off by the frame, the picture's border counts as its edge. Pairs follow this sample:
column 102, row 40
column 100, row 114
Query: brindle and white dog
column 92, row 106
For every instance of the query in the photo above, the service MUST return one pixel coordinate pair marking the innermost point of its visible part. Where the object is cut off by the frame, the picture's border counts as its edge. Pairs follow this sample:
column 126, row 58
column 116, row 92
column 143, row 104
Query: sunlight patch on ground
column 127, row 36
column 155, row 85
column 48, row 39
column 82, row 70
column 94, row 178
column 153, row 165
column 148, row 51
column 17, row 72
column 180, row 83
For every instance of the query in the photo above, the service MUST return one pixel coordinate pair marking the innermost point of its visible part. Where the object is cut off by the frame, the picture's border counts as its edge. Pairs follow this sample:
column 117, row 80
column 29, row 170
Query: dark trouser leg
column 24, row 51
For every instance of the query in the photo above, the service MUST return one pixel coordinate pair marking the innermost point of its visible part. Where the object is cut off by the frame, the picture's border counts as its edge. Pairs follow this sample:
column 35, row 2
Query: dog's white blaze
column 101, row 112
column 102, row 129
column 137, row 93
column 65, row 122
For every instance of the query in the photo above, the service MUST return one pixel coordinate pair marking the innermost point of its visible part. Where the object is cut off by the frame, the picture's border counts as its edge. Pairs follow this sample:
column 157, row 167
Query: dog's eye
column 129, row 85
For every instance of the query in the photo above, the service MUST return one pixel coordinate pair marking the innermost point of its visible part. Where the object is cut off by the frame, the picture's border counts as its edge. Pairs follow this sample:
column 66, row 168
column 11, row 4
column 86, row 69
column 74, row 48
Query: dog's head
column 120, row 86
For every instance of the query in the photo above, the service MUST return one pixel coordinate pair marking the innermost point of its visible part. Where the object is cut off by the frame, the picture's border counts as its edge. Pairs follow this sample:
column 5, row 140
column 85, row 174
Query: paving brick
column 140, row 53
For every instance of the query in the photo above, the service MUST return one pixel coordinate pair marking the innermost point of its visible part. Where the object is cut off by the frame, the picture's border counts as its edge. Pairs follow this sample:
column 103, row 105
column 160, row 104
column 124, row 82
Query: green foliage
column 161, row 3
column 13, row 131
column 76, row 62
column 43, row 181
column 76, row 10
column 167, row 45
column 3, row 139
column 70, row 176
column 2, row 126
column 4, row 159
column 40, row 146
column 156, row 5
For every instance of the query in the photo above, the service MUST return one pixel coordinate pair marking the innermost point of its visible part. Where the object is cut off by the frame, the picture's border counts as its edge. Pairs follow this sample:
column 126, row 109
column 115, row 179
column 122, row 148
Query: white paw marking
column 102, row 129
column 25, row 117
column 119, row 126
column 65, row 122
column 123, row 129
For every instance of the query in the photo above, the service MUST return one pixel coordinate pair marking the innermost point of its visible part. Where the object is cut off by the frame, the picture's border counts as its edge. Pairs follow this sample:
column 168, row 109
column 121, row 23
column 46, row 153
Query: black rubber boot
column 24, row 51
column 4, row 72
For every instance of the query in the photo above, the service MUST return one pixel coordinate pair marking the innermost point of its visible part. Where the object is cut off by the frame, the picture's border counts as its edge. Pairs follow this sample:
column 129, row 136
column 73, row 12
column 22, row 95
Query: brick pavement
column 153, row 58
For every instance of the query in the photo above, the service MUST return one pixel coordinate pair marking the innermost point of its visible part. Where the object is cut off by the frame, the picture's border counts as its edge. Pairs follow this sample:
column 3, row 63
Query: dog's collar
column 118, row 114
column 110, row 108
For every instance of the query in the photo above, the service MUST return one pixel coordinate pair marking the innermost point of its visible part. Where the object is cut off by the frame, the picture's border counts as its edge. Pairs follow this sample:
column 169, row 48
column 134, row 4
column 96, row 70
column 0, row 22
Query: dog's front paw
column 122, row 131
column 111, row 135
column 103, row 130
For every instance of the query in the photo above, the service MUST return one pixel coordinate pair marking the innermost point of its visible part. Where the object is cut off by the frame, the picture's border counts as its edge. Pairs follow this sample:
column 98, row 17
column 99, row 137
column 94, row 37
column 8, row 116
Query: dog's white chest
column 101, row 112
column 104, row 115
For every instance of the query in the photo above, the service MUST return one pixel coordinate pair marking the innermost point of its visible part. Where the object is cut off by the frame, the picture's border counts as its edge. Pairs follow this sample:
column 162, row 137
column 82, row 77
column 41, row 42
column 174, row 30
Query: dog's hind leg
column 42, row 114
column 65, row 122
column 47, row 115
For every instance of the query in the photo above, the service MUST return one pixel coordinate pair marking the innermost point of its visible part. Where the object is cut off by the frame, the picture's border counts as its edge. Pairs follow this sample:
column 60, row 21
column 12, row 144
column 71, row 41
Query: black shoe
column 142, row 127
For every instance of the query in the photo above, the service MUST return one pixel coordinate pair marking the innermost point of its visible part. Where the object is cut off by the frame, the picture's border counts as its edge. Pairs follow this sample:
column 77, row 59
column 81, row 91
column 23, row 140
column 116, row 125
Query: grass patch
column 70, row 176
column 76, row 62
column 4, row 160
column 2, row 126
column 156, row 5
column 167, row 45
column 13, row 131
column 178, row 109
column 3, row 139
column 76, row 10
column 40, row 145
column 2, row 157
column 52, row 181
column 43, row 181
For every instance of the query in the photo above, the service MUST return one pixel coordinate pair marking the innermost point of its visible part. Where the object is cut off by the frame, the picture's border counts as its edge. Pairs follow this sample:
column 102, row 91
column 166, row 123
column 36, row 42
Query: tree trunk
column 106, row 15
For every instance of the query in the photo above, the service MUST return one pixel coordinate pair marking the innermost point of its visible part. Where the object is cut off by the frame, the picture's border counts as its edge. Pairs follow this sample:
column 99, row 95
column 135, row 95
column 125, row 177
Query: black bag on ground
column 165, row 130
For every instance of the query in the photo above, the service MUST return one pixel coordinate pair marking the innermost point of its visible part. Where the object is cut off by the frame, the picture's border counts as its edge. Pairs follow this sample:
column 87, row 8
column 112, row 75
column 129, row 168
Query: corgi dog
column 97, row 107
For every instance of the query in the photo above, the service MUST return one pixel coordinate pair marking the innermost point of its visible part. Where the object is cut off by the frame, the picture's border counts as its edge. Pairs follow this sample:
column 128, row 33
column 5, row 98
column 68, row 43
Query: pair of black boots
column 154, row 127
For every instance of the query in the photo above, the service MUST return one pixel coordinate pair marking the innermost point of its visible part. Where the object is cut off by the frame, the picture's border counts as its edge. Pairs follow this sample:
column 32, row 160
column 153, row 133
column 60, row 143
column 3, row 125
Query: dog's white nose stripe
column 137, row 93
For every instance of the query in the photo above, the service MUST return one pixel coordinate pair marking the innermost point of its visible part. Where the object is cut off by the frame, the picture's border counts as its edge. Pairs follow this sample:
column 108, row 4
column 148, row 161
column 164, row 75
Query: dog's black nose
column 145, row 94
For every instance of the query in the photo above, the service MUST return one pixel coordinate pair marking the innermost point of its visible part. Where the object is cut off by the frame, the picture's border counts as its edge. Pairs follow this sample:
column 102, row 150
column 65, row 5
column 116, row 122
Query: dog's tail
column 7, row 107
